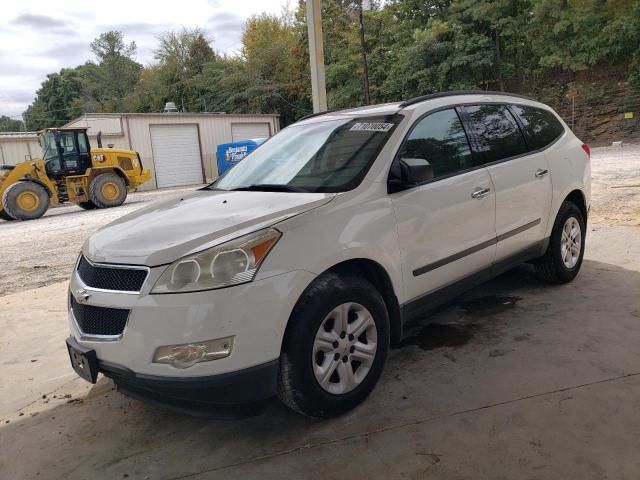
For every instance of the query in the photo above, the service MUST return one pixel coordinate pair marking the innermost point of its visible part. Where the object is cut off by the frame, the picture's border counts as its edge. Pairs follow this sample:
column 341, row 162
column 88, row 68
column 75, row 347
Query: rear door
column 446, row 225
column 520, row 177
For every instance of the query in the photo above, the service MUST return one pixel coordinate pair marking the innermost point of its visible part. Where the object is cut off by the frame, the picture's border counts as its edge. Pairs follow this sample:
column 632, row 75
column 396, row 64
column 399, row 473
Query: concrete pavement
column 517, row 379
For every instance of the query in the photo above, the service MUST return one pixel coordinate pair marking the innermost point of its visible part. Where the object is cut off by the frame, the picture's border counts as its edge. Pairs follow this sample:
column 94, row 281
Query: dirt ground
column 615, row 177
column 515, row 379
column 41, row 252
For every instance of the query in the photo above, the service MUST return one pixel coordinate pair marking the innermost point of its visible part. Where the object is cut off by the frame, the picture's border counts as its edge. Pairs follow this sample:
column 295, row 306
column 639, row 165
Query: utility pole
column 363, row 50
column 316, row 56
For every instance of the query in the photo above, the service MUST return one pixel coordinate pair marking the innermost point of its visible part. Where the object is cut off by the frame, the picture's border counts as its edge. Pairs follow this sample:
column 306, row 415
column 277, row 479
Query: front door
column 446, row 225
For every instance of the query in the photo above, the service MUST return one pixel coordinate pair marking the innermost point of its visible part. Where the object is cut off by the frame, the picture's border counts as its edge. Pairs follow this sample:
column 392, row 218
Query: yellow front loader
column 69, row 171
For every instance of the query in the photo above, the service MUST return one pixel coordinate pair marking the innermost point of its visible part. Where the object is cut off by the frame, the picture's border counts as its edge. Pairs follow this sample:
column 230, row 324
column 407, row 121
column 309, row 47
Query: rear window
column 496, row 134
column 541, row 127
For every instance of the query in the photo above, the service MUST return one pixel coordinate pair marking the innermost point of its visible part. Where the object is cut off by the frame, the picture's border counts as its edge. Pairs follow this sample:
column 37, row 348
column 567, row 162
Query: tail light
column 586, row 149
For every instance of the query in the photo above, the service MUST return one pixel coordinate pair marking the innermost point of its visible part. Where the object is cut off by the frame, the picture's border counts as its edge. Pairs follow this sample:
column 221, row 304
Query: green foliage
column 8, row 124
column 413, row 47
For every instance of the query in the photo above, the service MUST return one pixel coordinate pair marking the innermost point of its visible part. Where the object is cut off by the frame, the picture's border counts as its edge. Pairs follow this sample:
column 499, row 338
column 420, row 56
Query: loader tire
column 25, row 200
column 107, row 190
column 5, row 216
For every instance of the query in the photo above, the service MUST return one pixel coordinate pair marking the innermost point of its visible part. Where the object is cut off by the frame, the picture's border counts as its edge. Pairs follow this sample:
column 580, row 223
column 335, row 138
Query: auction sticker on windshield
column 371, row 127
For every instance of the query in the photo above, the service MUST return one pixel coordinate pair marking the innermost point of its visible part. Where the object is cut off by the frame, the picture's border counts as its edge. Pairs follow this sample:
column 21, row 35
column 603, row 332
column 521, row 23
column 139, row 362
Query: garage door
column 248, row 131
column 176, row 155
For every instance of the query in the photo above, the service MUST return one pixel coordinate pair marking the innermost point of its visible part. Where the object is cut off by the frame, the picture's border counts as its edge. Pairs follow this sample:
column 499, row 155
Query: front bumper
column 227, row 394
column 255, row 314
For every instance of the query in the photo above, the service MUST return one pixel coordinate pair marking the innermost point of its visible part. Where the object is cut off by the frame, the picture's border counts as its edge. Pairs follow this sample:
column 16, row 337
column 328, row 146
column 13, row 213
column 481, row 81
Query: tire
column 551, row 267
column 303, row 356
column 25, row 200
column 5, row 216
column 107, row 190
column 89, row 205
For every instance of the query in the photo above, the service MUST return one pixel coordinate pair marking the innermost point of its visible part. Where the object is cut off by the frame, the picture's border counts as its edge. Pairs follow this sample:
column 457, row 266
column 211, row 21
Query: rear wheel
column 107, row 190
column 563, row 258
column 25, row 200
column 335, row 347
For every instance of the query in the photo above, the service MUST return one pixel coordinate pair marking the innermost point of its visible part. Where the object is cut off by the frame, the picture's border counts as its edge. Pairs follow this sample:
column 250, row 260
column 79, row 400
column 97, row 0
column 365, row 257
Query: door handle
column 480, row 192
column 541, row 173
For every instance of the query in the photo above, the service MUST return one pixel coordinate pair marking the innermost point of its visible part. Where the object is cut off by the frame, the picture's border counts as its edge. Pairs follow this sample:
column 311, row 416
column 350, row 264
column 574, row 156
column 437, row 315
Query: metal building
column 179, row 148
column 15, row 147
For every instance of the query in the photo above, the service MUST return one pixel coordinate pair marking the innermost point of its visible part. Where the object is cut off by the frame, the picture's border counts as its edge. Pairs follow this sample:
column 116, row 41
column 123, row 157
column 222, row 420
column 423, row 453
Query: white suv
column 294, row 272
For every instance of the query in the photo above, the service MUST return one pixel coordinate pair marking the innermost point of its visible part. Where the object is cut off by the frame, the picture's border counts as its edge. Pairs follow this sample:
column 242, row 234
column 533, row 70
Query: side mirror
column 408, row 172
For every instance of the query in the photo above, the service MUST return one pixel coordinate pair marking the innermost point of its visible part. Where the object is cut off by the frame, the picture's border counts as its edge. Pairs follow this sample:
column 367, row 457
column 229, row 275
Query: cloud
column 138, row 28
column 18, row 68
column 44, row 23
column 226, row 28
column 69, row 54
column 17, row 95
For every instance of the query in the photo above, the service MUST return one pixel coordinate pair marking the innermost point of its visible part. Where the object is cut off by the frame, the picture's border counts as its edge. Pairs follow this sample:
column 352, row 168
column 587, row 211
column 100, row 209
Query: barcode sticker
column 371, row 127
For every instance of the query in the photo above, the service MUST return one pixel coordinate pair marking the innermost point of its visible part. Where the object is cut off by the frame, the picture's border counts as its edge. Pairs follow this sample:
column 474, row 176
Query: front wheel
column 563, row 258
column 335, row 346
column 25, row 200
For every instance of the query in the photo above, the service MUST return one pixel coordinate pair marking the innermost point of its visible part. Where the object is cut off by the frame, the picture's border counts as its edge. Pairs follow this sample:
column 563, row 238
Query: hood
column 167, row 230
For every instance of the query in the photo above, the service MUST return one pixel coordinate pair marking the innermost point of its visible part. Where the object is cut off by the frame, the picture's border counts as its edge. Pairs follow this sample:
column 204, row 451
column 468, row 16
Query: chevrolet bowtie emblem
column 81, row 295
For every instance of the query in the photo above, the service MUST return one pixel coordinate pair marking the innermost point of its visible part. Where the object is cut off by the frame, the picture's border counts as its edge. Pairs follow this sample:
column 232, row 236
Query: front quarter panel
column 357, row 224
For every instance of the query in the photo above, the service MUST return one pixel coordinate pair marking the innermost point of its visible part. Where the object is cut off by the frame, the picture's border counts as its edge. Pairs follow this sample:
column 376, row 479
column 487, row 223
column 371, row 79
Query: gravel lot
column 615, row 179
column 42, row 252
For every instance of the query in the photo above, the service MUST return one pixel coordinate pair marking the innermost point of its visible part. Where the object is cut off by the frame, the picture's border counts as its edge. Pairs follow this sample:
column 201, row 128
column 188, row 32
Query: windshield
column 330, row 156
column 48, row 144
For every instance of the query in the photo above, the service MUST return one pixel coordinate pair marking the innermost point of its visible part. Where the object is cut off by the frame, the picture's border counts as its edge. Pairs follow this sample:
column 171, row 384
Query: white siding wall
column 13, row 151
column 136, row 133
column 213, row 130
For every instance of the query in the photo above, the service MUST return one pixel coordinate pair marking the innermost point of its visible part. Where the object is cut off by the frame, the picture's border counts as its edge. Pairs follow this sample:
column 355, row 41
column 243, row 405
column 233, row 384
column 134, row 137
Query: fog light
column 187, row 355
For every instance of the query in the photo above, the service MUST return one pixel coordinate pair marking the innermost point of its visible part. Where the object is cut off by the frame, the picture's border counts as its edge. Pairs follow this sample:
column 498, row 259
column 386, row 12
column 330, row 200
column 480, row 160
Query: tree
column 58, row 100
column 116, row 74
column 182, row 56
column 8, row 124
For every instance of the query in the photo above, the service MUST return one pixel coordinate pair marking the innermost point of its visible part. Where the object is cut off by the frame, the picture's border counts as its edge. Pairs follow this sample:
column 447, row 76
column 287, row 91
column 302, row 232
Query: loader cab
column 65, row 151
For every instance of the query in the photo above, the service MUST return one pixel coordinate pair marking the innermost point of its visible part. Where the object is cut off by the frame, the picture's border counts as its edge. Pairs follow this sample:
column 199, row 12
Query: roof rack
column 432, row 96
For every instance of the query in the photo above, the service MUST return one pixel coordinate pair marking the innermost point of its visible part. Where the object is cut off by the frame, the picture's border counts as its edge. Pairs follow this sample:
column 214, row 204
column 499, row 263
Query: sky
column 38, row 37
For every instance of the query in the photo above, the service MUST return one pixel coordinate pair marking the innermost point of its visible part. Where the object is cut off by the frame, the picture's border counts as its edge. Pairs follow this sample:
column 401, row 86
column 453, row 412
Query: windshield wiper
column 269, row 187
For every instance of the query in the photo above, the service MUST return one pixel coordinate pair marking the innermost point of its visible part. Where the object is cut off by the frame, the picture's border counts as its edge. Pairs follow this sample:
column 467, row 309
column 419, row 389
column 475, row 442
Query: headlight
column 228, row 264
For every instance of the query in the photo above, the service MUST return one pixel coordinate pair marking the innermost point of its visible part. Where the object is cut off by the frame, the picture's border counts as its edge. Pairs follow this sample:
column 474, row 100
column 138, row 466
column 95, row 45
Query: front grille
column 111, row 277
column 94, row 320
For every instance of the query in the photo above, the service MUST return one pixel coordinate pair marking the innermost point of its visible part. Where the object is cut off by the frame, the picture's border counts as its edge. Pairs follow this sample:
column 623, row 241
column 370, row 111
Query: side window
column 82, row 142
column 66, row 142
column 541, row 127
column 496, row 134
column 440, row 139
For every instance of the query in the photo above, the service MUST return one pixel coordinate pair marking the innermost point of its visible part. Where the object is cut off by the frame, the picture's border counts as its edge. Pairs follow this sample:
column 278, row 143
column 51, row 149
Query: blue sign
column 229, row 154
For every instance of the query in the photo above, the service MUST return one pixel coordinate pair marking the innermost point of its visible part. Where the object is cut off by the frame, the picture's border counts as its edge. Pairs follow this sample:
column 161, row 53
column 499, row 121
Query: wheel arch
column 577, row 197
column 96, row 172
column 375, row 273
